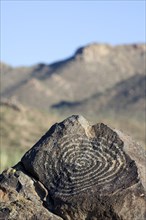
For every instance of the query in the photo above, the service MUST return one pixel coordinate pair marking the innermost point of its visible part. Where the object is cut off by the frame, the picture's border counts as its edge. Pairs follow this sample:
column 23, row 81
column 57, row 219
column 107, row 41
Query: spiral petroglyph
column 82, row 163
column 74, row 157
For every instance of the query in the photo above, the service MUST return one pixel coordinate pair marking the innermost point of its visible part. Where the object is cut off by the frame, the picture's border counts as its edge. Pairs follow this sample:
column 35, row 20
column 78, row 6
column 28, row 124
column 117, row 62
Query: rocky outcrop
column 93, row 52
column 21, row 196
column 77, row 172
column 96, row 52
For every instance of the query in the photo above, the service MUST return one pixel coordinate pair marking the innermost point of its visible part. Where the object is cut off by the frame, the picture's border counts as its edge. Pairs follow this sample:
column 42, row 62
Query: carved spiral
column 81, row 163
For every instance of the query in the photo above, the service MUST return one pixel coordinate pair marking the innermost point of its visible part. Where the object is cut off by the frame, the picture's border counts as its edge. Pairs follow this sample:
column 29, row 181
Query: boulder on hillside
column 77, row 172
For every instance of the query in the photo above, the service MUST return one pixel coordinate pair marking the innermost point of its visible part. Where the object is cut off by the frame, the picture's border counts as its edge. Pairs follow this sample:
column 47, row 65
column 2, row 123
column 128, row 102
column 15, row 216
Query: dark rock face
column 21, row 197
column 78, row 171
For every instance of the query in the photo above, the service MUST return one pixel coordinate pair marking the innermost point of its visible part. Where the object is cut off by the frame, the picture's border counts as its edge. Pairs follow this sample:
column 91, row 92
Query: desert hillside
column 126, row 97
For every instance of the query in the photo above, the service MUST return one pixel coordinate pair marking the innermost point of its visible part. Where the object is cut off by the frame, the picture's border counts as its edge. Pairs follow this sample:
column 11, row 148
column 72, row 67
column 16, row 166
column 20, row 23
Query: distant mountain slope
column 129, row 94
column 92, row 69
column 126, row 97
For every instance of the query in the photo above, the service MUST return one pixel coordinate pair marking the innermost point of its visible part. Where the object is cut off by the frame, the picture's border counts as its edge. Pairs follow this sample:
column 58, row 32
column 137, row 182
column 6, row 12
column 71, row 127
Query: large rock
column 78, row 172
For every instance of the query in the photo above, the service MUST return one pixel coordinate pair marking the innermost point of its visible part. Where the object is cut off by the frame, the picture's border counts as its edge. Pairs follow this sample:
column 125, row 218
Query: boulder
column 77, row 172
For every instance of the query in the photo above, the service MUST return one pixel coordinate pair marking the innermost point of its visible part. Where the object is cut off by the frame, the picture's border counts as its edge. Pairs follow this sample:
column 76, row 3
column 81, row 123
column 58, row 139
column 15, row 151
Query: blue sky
column 47, row 31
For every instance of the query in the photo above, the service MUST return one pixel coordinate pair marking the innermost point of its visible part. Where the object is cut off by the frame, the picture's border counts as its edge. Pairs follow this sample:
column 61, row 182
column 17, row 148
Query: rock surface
column 77, row 172
column 21, row 197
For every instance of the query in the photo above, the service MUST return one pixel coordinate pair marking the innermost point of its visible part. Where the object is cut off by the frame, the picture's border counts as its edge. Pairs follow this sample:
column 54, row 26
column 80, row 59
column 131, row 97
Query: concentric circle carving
column 77, row 164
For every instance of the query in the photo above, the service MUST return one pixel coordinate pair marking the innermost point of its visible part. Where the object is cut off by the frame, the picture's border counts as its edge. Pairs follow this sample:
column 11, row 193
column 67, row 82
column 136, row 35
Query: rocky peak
column 92, row 52
column 96, row 52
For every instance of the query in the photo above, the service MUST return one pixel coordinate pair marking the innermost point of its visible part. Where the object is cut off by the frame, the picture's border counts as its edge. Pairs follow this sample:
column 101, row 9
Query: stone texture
column 77, row 172
column 21, row 197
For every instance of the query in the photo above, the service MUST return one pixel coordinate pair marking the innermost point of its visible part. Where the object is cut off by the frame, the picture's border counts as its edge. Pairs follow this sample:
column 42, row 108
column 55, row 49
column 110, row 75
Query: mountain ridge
column 75, row 78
